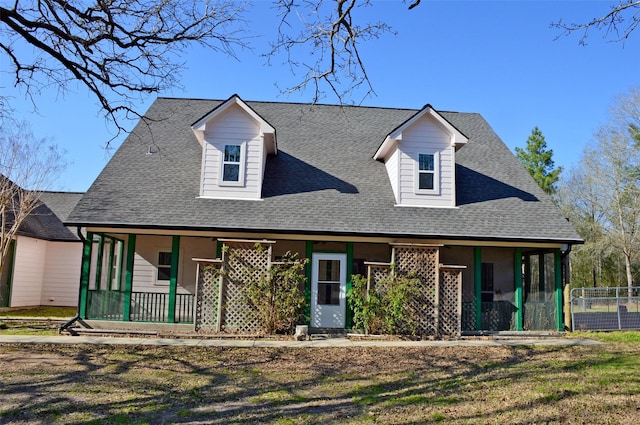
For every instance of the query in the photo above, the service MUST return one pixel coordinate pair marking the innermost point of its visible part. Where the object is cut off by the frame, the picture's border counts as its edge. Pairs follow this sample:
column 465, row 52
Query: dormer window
column 231, row 165
column 235, row 143
column 427, row 173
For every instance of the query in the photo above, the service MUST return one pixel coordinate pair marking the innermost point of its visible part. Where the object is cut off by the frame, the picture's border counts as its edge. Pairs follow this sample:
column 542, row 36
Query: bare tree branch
column 124, row 50
column 27, row 166
column 617, row 24
column 322, row 39
column 118, row 49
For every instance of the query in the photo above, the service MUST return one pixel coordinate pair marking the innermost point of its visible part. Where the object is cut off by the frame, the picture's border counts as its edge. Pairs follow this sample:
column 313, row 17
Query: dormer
column 235, row 143
column 419, row 156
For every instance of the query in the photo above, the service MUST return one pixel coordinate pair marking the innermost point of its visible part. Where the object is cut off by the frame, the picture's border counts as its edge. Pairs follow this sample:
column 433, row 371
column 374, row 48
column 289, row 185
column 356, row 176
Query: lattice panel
column 378, row 273
column 207, row 298
column 421, row 262
column 239, row 262
column 450, row 320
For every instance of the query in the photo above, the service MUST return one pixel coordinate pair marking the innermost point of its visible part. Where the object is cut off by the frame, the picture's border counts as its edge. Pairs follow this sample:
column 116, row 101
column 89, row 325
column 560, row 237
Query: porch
column 153, row 278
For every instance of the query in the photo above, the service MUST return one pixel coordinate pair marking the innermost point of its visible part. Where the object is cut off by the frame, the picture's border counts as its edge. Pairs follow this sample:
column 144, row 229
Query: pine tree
column 538, row 160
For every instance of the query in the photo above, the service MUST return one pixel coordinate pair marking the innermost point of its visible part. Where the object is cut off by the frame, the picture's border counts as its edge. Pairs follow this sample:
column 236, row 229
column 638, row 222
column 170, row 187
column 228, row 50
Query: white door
column 328, row 290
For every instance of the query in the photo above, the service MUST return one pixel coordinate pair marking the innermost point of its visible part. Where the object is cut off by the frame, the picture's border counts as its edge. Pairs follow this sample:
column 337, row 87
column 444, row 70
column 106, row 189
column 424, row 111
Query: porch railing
column 501, row 316
column 145, row 306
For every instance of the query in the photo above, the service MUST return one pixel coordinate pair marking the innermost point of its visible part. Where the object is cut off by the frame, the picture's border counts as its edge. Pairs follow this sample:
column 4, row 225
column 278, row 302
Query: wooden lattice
column 241, row 260
column 221, row 299
column 207, row 309
column 421, row 261
column 438, row 307
column 450, row 301
column 376, row 274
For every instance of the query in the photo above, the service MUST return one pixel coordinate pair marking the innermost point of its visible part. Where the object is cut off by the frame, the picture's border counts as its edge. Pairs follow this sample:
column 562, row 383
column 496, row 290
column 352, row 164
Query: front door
column 328, row 290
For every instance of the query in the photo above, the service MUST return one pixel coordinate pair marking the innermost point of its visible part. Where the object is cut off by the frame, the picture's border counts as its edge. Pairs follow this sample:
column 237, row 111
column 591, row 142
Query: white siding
column 28, row 272
column 144, row 263
column 62, row 277
column 392, row 170
column 146, row 257
column 426, row 136
column 233, row 126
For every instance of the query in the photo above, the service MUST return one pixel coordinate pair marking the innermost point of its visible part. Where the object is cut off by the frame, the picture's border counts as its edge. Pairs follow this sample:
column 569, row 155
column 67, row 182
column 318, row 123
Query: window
column 231, row 164
column 427, row 173
column 487, row 282
column 164, row 266
column 329, row 282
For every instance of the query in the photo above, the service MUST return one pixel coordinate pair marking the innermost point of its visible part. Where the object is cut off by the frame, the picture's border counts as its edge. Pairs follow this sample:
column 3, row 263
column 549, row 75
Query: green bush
column 385, row 308
column 277, row 294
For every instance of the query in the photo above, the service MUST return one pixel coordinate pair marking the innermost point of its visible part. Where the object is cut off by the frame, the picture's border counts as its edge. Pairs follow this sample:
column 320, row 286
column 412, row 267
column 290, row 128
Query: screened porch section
column 512, row 289
column 140, row 278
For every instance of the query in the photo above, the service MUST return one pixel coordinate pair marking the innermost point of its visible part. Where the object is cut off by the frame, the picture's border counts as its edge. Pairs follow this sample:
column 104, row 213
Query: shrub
column 385, row 308
column 277, row 296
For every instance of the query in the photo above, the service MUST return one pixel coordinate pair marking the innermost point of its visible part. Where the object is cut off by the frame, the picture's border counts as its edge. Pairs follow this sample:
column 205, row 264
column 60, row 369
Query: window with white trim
column 427, row 170
column 231, row 164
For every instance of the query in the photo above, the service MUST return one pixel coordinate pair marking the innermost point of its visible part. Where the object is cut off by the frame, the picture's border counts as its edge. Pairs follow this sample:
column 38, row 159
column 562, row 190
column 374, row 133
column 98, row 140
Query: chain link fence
column 605, row 309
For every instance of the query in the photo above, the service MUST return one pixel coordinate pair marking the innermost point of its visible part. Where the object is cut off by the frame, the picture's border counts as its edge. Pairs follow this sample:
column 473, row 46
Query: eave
column 458, row 139
column 267, row 131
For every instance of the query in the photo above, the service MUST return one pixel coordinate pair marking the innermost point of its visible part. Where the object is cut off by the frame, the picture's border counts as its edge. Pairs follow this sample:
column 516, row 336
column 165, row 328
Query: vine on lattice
column 241, row 263
column 426, row 298
column 386, row 306
column 277, row 294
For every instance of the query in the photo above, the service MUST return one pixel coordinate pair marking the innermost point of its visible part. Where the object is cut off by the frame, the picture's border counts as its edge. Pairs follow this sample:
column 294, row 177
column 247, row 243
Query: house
column 353, row 189
column 43, row 268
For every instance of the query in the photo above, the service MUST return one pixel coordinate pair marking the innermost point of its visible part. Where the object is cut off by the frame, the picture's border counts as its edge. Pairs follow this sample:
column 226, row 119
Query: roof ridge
column 273, row 102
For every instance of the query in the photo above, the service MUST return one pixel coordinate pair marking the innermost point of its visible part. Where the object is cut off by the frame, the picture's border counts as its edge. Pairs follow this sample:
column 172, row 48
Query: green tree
column 538, row 160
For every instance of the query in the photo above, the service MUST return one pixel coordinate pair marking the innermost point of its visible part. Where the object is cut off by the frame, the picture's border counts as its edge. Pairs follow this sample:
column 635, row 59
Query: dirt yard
column 51, row 384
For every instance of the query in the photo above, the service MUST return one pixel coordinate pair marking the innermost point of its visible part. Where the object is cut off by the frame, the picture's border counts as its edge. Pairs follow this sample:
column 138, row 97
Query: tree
column 580, row 201
column 538, row 160
column 120, row 50
column 27, row 166
column 618, row 23
column 602, row 195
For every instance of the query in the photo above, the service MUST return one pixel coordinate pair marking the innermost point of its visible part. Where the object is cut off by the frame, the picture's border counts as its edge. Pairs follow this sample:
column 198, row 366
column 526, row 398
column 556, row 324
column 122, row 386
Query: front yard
column 155, row 385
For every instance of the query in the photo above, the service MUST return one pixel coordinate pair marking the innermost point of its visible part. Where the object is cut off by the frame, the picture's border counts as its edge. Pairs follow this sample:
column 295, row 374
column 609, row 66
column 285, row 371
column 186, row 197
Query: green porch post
column 558, row 289
column 99, row 262
column 517, row 281
column 349, row 312
column 477, row 285
column 307, row 286
column 128, row 278
column 84, row 275
column 173, row 278
column 218, row 249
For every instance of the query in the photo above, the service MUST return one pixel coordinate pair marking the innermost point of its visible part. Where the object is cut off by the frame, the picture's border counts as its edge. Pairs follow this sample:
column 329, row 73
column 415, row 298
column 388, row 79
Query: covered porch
column 142, row 277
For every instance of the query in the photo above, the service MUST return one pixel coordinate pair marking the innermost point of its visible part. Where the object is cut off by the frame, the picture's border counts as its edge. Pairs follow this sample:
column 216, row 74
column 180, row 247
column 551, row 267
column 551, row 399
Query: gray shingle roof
column 323, row 180
column 46, row 221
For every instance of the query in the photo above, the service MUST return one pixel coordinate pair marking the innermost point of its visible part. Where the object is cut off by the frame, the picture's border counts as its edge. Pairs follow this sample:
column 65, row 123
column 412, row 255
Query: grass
column 40, row 325
column 462, row 385
column 40, row 312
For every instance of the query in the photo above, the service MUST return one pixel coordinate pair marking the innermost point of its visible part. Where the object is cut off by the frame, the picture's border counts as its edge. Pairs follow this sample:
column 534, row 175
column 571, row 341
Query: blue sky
column 498, row 58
